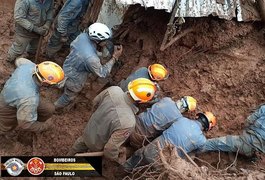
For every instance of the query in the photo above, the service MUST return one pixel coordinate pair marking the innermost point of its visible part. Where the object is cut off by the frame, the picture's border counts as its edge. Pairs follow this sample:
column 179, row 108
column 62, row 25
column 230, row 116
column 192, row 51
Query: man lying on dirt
column 155, row 72
column 252, row 139
column 114, row 119
column 67, row 25
column 20, row 102
column 151, row 123
column 184, row 133
column 83, row 60
column 32, row 20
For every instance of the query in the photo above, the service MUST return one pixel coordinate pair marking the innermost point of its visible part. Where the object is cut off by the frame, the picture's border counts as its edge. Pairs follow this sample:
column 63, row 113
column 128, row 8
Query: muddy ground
column 221, row 63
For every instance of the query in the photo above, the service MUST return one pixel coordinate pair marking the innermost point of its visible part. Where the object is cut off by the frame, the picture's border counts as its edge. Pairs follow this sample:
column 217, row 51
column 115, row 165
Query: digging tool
column 90, row 154
column 38, row 50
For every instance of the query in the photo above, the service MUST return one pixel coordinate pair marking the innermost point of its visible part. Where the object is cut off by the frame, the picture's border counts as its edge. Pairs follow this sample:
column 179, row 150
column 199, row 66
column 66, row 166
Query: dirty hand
column 40, row 30
column 122, row 155
column 64, row 39
column 117, row 51
column 46, row 126
column 47, row 25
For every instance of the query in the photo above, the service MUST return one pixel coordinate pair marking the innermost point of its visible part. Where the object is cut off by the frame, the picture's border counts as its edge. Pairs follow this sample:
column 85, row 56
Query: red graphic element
column 35, row 166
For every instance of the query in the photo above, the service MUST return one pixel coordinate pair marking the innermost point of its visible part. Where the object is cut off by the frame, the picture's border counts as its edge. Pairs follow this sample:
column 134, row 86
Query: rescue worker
column 32, row 20
column 67, row 25
column 20, row 102
column 154, row 72
column 185, row 133
column 83, row 60
column 114, row 119
column 250, row 141
column 151, row 123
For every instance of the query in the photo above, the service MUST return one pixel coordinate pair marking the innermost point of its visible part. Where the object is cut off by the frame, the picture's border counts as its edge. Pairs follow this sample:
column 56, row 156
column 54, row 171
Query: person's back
column 113, row 113
column 20, row 86
column 139, row 73
column 83, row 52
column 160, row 116
column 184, row 133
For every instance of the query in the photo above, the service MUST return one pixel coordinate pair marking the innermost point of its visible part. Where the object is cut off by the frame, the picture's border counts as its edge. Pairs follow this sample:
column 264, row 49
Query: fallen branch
column 219, row 160
column 173, row 40
column 188, row 157
column 233, row 163
column 205, row 162
column 165, row 164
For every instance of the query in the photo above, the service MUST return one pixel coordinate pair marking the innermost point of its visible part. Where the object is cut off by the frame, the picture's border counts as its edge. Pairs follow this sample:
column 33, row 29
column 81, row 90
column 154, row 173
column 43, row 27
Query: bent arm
column 20, row 14
column 113, row 146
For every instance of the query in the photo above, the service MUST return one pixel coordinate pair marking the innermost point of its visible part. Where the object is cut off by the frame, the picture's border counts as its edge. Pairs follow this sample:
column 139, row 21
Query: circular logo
column 14, row 166
column 35, row 166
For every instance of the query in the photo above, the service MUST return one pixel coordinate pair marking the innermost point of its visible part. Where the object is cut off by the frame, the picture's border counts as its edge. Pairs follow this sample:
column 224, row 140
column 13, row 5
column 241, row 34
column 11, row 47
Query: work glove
column 40, row 30
column 117, row 52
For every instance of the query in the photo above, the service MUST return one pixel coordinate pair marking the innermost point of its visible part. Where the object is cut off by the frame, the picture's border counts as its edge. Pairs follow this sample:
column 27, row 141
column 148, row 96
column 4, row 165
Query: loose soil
column 221, row 63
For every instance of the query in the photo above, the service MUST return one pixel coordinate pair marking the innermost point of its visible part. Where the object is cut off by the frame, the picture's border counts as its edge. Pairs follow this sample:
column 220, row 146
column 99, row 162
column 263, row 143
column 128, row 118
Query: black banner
column 42, row 166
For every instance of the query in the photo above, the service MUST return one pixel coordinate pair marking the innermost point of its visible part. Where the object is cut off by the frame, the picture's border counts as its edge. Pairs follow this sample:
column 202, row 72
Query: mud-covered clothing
column 22, row 44
column 27, row 14
column 81, row 61
column 140, row 73
column 67, row 24
column 110, row 125
column 9, row 120
column 151, row 123
column 30, row 13
column 21, row 96
column 252, row 139
column 184, row 133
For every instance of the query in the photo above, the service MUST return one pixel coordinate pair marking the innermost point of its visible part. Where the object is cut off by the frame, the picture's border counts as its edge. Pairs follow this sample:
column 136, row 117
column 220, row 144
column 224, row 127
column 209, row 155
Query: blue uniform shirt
column 140, row 73
column 159, row 117
column 184, row 133
column 82, row 60
column 22, row 92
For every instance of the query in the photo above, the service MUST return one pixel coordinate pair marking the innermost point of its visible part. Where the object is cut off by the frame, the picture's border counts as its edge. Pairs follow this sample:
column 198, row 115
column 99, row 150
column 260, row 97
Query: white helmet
column 99, row 31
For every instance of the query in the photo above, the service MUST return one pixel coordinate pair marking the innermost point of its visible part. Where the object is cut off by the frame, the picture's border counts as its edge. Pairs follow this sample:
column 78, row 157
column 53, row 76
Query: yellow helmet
column 191, row 102
column 211, row 119
column 49, row 72
column 142, row 90
column 157, row 72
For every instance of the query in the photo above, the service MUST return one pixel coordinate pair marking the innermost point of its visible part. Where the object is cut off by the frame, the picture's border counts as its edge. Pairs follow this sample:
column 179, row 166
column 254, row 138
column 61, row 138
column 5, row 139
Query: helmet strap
column 204, row 122
column 36, row 79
